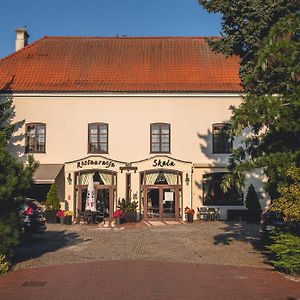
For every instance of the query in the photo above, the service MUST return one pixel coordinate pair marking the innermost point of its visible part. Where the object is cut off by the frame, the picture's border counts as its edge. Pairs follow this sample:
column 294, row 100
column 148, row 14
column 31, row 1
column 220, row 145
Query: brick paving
column 146, row 280
column 203, row 260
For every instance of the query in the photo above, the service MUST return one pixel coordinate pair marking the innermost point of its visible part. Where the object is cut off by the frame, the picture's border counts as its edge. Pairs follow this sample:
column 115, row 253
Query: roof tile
column 114, row 64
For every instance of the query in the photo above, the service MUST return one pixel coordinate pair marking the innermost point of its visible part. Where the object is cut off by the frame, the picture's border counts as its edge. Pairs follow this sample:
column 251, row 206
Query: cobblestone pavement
column 220, row 243
column 204, row 260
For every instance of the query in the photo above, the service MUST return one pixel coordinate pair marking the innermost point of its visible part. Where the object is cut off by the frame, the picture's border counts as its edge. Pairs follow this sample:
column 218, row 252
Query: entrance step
column 161, row 223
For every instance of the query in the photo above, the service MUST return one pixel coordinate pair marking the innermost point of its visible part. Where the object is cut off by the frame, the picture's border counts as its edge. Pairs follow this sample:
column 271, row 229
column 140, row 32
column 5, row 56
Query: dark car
column 269, row 221
column 32, row 217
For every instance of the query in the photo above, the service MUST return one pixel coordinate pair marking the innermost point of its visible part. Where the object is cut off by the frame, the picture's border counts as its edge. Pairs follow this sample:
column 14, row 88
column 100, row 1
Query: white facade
column 129, row 116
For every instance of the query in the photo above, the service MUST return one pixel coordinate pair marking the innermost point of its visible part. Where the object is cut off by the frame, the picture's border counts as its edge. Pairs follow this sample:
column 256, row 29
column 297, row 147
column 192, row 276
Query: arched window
column 35, row 138
column 98, row 138
column 222, row 143
column 160, row 136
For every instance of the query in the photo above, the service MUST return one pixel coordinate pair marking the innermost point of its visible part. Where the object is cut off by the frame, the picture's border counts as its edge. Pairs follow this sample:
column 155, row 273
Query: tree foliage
column 265, row 36
column 52, row 201
column 15, row 179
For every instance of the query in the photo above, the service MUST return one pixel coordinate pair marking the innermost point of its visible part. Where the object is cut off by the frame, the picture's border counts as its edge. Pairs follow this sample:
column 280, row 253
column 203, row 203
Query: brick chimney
column 21, row 38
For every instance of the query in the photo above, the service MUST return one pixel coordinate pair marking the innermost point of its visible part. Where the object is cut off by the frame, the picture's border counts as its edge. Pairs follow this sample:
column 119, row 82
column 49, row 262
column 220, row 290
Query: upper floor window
column 160, row 138
column 35, row 138
column 98, row 138
column 222, row 143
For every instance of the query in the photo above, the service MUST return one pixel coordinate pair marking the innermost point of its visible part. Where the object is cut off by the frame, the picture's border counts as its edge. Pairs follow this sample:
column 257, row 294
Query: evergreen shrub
column 52, row 202
column 253, row 205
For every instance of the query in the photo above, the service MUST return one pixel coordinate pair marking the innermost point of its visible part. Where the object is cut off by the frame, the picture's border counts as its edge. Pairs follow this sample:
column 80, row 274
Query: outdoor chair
column 202, row 213
column 211, row 214
column 88, row 216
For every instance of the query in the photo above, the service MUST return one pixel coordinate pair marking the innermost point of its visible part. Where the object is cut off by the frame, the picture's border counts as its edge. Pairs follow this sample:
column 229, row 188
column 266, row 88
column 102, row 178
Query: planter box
column 68, row 220
column 50, row 216
column 190, row 218
column 131, row 217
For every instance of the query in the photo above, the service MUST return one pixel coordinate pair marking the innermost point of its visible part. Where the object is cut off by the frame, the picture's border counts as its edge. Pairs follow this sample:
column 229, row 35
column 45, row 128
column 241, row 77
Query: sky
column 103, row 18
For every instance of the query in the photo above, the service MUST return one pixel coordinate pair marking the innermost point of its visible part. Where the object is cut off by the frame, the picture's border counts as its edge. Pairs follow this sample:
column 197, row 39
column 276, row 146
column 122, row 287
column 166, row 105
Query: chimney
column 21, row 38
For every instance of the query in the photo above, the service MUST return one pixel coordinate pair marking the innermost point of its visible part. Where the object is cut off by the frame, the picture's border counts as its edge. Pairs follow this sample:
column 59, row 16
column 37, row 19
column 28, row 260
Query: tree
column 52, row 201
column 15, row 179
column 264, row 35
column 253, row 205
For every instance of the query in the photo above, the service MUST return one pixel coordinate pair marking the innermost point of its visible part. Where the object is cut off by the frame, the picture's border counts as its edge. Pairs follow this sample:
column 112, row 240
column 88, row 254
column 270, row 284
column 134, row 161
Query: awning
column 46, row 173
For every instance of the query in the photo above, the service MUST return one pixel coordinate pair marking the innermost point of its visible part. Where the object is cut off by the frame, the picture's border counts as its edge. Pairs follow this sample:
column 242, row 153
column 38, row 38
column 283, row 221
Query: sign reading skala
column 90, row 162
column 163, row 163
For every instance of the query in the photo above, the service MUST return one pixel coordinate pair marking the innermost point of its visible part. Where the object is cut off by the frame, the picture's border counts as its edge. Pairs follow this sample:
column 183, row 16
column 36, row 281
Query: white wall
column 129, row 119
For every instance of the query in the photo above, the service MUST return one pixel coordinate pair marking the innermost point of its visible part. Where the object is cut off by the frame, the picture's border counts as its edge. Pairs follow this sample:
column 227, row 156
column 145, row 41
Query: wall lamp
column 69, row 178
column 187, row 179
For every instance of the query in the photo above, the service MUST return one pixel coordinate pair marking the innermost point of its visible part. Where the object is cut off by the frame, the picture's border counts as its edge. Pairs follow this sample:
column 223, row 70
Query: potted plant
column 129, row 208
column 189, row 212
column 68, row 217
column 60, row 214
column 52, row 204
column 118, row 214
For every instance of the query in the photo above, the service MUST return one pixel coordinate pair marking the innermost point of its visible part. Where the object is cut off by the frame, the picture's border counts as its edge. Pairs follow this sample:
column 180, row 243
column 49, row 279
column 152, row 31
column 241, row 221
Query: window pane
column 103, row 129
column 103, row 147
column 103, row 138
column 165, row 130
column 165, row 139
column 155, row 129
column 155, row 148
column 165, row 147
column 155, row 138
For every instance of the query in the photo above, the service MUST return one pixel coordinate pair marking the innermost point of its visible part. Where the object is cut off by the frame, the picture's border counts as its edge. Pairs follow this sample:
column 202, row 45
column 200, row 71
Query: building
column 145, row 117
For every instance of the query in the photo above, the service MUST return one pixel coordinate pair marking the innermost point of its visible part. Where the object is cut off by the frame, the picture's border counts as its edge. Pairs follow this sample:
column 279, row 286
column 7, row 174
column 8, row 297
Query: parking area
column 220, row 243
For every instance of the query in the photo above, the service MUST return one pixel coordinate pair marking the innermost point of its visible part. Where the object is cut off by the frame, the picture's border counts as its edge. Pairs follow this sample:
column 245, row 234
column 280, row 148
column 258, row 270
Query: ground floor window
column 213, row 193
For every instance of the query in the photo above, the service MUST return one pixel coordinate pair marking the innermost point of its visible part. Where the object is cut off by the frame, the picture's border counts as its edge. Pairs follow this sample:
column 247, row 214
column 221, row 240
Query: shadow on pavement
column 242, row 232
column 37, row 245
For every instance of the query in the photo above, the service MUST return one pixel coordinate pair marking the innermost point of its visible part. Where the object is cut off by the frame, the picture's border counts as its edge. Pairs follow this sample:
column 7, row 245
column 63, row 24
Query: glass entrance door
column 169, row 197
column 153, row 203
column 103, row 202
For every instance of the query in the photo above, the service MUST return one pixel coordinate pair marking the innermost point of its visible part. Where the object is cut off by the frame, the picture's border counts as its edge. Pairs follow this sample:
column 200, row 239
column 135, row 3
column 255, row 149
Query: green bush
column 286, row 249
column 4, row 264
column 127, row 205
column 253, row 205
column 52, row 201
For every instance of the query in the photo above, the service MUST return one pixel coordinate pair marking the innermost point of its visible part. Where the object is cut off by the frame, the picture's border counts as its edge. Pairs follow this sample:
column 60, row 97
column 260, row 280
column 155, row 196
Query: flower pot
column 68, row 220
column 130, row 216
column 61, row 220
column 50, row 216
column 190, row 218
column 118, row 221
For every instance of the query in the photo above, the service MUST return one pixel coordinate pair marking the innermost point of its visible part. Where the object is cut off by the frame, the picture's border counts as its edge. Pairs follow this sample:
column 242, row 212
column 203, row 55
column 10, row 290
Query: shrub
column 127, row 205
column 4, row 264
column 253, row 205
column 52, row 201
column 286, row 249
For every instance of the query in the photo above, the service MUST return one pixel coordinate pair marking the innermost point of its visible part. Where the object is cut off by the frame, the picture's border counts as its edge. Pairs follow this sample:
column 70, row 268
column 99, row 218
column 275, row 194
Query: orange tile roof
column 119, row 64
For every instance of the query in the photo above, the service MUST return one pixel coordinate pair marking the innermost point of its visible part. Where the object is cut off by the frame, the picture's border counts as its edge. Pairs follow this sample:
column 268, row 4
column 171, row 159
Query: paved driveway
column 213, row 260
column 225, row 243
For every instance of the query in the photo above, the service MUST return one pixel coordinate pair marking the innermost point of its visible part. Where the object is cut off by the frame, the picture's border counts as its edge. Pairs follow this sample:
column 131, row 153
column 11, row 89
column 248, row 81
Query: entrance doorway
column 105, row 192
column 161, row 193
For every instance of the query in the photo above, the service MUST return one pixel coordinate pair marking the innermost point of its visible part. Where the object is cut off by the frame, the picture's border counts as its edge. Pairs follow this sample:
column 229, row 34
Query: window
column 98, row 138
column 160, row 138
column 213, row 193
column 222, row 143
column 35, row 138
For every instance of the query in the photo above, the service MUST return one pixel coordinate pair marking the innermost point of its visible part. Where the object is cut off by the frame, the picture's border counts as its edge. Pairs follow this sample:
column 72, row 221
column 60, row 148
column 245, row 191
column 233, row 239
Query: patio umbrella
column 90, row 202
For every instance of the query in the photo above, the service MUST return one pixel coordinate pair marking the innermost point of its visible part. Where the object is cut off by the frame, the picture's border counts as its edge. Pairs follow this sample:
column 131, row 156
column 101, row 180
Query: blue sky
column 103, row 18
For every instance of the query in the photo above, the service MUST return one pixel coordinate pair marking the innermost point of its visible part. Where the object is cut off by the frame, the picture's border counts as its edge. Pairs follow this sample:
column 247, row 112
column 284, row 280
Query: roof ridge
column 130, row 37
